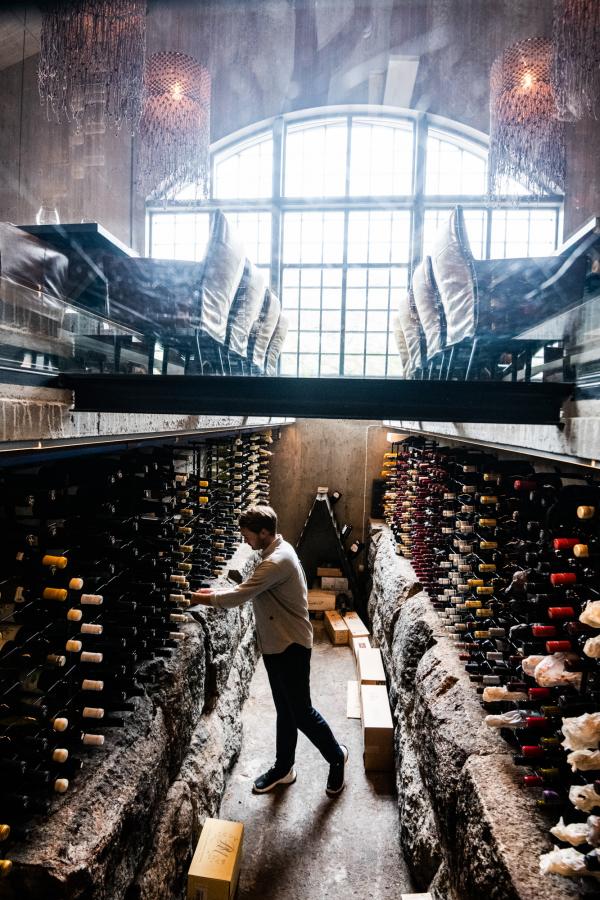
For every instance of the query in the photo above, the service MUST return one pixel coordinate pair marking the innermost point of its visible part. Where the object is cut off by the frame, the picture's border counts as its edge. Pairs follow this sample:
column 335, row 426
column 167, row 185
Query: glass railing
column 43, row 334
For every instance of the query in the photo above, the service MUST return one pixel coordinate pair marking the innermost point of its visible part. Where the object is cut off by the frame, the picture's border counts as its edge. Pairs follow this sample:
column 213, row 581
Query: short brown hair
column 255, row 518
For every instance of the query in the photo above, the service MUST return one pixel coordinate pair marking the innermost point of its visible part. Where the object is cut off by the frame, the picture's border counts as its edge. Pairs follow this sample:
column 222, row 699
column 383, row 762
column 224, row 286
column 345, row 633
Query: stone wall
column 130, row 822
column 467, row 828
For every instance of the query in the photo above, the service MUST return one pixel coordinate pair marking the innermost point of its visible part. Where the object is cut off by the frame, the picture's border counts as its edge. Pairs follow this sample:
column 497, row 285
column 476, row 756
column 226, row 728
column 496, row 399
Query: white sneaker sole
column 331, row 793
column 287, row 779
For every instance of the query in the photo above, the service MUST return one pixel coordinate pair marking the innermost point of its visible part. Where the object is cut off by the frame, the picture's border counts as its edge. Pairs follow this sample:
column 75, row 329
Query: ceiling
column 20, row 26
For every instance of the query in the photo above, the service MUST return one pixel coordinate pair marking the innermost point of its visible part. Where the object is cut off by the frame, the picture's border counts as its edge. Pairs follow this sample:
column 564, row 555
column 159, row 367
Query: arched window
column 337, row 206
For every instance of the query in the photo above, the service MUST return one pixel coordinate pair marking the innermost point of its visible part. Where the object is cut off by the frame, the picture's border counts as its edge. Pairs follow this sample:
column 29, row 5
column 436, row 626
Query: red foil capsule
column 543, row 631
column 561, row 612
column 533, row 780
column 531, row 751
column 558, row 646
column 559, row 578
column 536, row 722
column 539, row 693
column 564, row 543
column 522, row 484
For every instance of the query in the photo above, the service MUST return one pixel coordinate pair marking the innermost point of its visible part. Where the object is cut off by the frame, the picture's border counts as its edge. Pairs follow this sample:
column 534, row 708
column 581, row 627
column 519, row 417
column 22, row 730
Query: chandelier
column 576, row 61
column 92, row 54
column 175, row 125
column 526, row 138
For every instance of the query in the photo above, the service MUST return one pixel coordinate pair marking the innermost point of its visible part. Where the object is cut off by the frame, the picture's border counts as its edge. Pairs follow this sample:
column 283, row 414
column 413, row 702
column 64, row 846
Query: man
column 278, row 591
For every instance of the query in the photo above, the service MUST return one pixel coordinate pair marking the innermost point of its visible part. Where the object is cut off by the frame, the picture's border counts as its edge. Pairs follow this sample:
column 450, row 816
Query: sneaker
column 271, row 778
column 335, row 782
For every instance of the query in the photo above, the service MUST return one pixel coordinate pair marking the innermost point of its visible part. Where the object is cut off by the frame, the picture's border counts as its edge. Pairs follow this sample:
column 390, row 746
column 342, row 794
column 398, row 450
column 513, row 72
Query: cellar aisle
column 299, row 844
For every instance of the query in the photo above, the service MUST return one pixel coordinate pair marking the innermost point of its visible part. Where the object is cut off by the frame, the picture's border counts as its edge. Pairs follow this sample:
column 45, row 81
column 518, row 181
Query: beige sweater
column 277, row 588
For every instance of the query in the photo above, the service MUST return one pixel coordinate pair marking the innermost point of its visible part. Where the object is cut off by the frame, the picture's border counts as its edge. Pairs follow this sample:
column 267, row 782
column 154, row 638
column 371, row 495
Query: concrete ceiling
column 20, row 26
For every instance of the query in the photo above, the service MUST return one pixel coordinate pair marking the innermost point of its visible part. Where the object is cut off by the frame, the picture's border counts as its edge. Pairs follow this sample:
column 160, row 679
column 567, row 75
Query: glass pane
column 310, row 320
column 375, row 366
column 354, row 365
column 330, row 364
column 451, row 168
column 355, row 321
column 309, row 342
column 291, row 342
column 381, row 158
column 245, row 171
column 179, row 235
column 315, row 159
column 394, row 366
column 378, row 236
column 308, row 365
column 330, row 342
column 313, row 237
column 289, row 364
column 377, row 342
column 523, row 232
column 330, row 320
column 354, row 343
column 254, row 230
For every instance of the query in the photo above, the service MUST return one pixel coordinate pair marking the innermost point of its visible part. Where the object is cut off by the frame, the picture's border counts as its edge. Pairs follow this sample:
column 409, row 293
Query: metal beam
column 333, row 398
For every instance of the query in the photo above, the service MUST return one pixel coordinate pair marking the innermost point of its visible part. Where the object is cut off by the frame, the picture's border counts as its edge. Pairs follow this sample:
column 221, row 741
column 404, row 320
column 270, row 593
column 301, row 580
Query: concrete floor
column 298, row 843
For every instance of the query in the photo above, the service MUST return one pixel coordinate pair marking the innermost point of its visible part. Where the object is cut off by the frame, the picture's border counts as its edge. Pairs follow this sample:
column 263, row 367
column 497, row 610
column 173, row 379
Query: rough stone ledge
column 468, row 829
column 127, row 826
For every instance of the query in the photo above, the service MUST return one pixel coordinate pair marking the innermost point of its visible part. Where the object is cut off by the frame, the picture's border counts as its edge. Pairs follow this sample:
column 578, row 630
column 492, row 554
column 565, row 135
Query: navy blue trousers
column 289, row 677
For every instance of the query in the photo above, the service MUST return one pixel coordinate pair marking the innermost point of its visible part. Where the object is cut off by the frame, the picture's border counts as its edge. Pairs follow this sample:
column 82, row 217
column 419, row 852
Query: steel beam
column 333, row 398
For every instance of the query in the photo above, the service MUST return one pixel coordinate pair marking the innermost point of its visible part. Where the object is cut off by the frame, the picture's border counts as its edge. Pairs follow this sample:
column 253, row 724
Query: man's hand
column 204, row 596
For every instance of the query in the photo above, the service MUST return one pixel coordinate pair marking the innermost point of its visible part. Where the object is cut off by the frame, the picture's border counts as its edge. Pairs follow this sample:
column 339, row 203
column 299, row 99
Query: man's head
column 258, row 525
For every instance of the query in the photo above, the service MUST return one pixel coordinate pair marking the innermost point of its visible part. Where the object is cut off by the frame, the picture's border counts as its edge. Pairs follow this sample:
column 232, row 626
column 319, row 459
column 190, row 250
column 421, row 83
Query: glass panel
column 394, row 366
column 354, row 365
column 378, row 236
column 289, row 364
column 381, row 158
column 453, row 169
column 310, row 320
column 330, row 364
column 375, row 366
column 308, row 365
column 377, row 342
column 330, row 342
column 315, row 159
column 354, row 343
column 179, row 235
column 254, row 230
column 523, row 232
column 355, row 321
column 331, row 320
column 245, row 171
column 313, row 237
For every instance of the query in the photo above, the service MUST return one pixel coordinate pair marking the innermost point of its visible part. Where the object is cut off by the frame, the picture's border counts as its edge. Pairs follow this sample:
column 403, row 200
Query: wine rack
column 99, row 561
column 510, row 557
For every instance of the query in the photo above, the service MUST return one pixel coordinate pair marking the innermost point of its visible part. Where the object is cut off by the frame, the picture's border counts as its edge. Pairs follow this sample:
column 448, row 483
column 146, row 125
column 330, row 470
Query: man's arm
column 266, row 575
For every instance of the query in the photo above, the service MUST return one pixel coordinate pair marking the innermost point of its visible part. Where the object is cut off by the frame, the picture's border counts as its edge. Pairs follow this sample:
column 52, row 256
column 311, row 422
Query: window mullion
column 276, row 281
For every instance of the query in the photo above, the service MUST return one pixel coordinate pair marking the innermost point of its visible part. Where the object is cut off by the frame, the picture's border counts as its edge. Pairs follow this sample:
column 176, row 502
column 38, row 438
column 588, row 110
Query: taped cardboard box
column 370, row 666
column 336, row 628
column 215, row 868
column 329, row 572
column 334, row 584
column 356, row 626
column 357, row 644
column 320, row 600
column 378, row 728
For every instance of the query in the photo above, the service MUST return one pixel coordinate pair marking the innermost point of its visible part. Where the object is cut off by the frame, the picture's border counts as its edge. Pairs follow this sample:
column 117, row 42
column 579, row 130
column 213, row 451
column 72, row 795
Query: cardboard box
column 359, row 643
column 356, row 626
column 370, row 666
column 336, row 628
column 329, row 572
column 321, row 600
column 378, row 728
column 215, row 868
column 334, row 584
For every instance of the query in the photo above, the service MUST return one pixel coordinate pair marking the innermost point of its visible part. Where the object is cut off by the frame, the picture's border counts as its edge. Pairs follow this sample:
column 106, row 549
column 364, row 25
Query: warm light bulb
column 176, row 91
column 527, row 81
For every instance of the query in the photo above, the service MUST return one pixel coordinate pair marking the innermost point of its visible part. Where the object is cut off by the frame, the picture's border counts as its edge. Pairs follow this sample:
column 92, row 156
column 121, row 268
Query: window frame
column 417, row 202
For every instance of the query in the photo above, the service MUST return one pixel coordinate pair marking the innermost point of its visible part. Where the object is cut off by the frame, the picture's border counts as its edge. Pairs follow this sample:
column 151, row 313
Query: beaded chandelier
column 527, row 141
column 93, row 51
column 576, row 62
column 175, row 125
